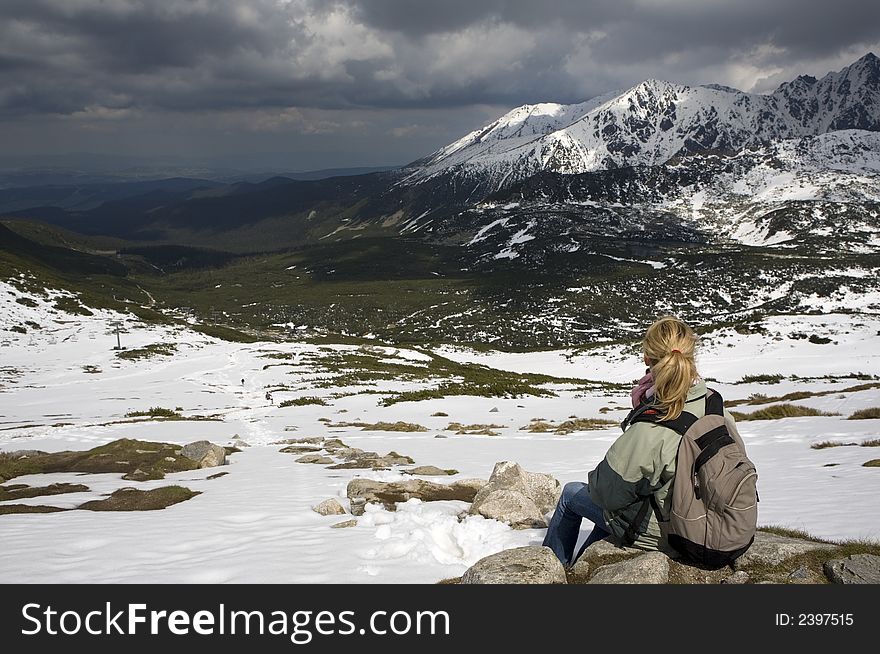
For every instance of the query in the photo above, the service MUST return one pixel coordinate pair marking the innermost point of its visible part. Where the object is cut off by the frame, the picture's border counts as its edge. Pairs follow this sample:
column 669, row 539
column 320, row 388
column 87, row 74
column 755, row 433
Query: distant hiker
column 630, row 495
column 242, row 382
column 269, row 397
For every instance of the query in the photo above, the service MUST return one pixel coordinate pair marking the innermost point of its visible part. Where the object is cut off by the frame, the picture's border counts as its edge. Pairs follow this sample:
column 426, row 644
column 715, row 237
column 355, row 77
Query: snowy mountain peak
column 721, row 87
column 655, row 120
column 847, row 99
column 870, row 61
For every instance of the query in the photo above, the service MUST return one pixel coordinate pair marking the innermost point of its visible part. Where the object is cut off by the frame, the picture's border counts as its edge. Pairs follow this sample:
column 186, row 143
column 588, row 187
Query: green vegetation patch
column 760, row 398
column 133, row 499
column 866, row 414
column 388, row 426
column 21, row 491
column 761, row 379
column 475, row 429
column 154, row 412
column 781, row 411
column 505, row 389
column 72, row 305
column 381, row 426
column 121, row 456
column 147, row 352
column 873, row 463
column 568, row 426
column 9, row 509
column 824, row 445
column 366, row 367
column 161, row 413
column 225, row 333
column 788, row 532
column 303, row 401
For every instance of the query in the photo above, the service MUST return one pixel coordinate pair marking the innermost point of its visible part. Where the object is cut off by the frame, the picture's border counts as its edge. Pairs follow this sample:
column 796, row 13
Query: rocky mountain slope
column 654, row 121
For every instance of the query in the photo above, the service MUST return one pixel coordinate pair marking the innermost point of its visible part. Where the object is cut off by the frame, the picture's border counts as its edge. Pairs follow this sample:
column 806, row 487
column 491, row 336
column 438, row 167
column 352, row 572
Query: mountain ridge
column 654, row 121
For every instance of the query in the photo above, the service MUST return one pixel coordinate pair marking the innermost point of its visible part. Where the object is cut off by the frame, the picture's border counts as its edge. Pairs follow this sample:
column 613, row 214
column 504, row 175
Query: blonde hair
column 669, row 345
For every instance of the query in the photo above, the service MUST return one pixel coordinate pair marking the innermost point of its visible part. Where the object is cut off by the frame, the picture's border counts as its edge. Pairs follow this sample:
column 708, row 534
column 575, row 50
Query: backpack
column 714, row 510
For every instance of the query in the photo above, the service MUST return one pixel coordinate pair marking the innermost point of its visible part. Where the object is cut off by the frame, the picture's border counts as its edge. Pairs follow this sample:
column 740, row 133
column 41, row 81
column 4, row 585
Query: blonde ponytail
column 669, row 345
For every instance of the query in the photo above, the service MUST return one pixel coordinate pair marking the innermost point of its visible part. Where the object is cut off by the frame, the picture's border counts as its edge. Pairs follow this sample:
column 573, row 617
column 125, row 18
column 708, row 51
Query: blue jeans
column 565, row 525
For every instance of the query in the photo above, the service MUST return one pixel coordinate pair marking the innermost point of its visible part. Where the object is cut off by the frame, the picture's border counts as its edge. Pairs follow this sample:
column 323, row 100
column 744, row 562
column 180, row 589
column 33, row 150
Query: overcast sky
column 308, row 84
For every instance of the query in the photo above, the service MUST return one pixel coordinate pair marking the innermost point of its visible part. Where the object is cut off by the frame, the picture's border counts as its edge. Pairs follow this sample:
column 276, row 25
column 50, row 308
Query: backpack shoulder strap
column 647, row 412
column 644, row 412
column 714, row 402
column 650, row 413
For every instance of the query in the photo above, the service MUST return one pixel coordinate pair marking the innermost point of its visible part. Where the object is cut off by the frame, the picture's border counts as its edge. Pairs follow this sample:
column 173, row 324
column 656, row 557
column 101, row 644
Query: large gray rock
column 472, row 485
column 605, row 547
column 521, row 565
column 362, row 491
column 429, row 471
column 355, row 458
column 855, row 569
column 353, row 453
column 649, row 568
column 300, row 449
column 205, row 453
column 371, row 463
column 544, row 490
column 770, row 549
column 581, row 570
column 397, row 459
column 595, row 554
column 516, row 496
column 332, row 444
column 314, row 458
column 344, row 524
column 329, row 507
column 511, row 507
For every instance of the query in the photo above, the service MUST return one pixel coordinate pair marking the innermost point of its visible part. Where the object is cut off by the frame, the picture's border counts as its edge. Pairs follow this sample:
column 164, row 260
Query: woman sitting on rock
column 641, row 462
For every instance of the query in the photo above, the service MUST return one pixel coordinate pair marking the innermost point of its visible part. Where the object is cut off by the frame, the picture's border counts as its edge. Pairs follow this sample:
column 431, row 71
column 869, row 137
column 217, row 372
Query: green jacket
column 640, row 463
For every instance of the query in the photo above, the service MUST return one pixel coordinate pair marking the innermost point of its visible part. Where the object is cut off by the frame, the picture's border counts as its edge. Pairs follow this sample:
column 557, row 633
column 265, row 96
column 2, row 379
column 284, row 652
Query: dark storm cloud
column 246, row 64
column 813, row 28
column 68, row 55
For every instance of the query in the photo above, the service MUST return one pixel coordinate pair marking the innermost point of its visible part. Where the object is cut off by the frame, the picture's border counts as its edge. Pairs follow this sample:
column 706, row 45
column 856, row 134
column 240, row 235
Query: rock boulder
column 511, row 507
column 854, row 569
column 770, row 549
column 205, row 453
column 314, row 458
column 521, row 565
column 429, row 471
column 362, row 491
column 649, row 568
column 516, row 496
column 329, row 507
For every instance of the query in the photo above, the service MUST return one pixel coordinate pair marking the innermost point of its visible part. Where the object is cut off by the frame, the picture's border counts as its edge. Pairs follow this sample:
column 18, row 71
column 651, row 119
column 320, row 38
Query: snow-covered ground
column 256, row 524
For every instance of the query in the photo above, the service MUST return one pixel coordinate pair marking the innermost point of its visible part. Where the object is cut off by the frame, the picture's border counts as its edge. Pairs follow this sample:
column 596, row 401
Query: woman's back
column 639, row 463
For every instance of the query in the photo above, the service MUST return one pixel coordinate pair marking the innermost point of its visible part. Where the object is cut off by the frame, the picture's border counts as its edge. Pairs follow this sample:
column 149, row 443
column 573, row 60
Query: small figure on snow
column 269, row 397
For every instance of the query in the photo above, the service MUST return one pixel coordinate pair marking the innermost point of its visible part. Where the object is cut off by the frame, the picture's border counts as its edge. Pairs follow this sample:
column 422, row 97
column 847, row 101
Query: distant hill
column 59, row 259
